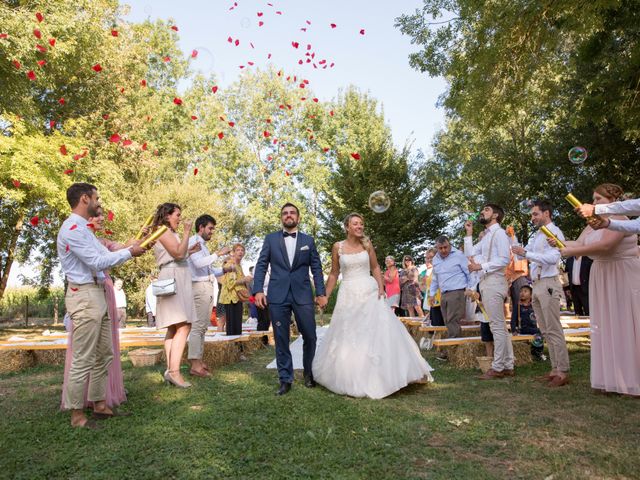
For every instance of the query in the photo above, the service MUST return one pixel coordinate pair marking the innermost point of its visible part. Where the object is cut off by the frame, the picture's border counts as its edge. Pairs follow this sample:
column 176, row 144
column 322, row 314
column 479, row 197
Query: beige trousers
column 92, row 345
column 204, row 301
column 546, row 305
column 493, row 289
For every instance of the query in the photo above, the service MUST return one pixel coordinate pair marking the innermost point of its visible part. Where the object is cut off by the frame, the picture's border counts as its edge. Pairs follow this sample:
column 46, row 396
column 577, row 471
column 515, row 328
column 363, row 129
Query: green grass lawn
column 233, row 426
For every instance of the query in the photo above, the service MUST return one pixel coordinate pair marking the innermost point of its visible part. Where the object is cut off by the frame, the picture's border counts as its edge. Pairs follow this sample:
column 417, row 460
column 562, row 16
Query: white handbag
column 164, row 288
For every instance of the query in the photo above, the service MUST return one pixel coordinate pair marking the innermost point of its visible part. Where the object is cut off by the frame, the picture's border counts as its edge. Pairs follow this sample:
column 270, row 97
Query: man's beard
column 290, row 223
column 92, row 209
column 483, row 221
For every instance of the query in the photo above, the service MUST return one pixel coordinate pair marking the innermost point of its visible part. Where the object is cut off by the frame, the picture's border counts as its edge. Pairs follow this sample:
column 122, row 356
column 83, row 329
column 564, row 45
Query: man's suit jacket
column 285, row 276
column 585, row 270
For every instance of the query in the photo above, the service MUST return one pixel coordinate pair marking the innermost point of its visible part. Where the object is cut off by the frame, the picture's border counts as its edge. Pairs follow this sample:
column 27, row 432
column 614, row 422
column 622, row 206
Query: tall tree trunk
column 11, row 252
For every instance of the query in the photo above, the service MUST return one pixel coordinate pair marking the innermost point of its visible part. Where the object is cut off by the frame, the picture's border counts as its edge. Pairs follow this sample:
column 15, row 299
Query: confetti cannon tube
column 154, row 236
column 146, row 223
column 548, row 233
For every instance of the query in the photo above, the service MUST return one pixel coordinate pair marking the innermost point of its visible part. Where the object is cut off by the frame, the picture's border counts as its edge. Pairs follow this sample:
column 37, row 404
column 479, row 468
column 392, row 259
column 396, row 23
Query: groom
column 290, row 254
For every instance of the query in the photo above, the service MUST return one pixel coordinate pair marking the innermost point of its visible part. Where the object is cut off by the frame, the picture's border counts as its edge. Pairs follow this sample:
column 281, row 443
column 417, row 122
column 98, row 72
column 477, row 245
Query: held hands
column 321, row 301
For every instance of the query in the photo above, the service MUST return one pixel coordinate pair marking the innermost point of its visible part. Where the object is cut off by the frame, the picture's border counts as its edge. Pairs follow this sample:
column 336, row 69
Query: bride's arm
column 335, row 270
column 375, row 269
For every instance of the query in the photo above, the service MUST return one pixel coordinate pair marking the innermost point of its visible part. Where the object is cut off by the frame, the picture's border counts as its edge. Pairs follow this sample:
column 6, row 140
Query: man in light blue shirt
column 83, row 260
column 451, row 276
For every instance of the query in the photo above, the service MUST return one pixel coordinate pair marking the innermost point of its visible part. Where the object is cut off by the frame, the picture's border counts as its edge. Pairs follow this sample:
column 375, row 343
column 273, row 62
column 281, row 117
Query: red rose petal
column 16, row 183
column 68, row 171
column 115, row 138
column 34, row 221
column 356, row 156
column 232, row 124
column 126, row 143
column 295, row 44
column 108, row 232
column 110, row 216
column 325, row 150
column 52, row 123
column 174, row 28
column 143, row 83
column 4, row 35
column 230, row 40
column 237, row 42
column 287, row 173
column 37, row 33
column 333, row 25
column 73, row 227
column 220, row 135
column 73, row 289
column 52, row 42
column 16, row 64
column 97, row 67
column 266, row 134
column 41, row 63
column 46, row 220
column 114, row 33
column 91, row 226
column 214, row 89
column 63, row 149
column 31, row 75
column 39, row 17
column 144, row 146
column 260, row 14
column 331, row 113
column 195, row 171
column 177, row 101
column 315, row 100
column 261, row 23
column 362, row 31
column 194, row 53
column 166, row 59
column 41, row 48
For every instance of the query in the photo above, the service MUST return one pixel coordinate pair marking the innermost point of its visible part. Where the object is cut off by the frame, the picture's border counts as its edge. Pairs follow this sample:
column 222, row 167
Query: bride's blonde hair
column 364, row 240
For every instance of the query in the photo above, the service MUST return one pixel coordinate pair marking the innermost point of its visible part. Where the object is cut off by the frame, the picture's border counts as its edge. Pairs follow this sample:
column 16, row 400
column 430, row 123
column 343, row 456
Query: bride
column 367, row 351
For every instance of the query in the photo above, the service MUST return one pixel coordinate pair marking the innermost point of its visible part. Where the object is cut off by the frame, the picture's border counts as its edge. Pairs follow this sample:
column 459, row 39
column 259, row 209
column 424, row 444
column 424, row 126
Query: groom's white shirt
column 290, row 243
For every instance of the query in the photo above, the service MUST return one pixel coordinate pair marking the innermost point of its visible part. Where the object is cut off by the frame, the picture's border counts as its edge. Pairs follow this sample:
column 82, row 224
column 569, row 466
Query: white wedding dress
column 367, row 351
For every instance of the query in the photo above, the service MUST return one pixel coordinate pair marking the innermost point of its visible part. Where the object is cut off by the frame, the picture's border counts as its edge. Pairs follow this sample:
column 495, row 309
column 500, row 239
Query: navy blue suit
column 290, row 291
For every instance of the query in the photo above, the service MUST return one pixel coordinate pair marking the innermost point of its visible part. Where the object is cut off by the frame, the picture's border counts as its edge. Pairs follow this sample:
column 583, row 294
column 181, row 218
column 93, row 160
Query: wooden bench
column 448, row 342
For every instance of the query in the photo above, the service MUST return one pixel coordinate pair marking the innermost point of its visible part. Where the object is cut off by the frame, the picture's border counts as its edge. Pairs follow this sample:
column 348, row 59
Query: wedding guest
column 221, row 318
column 547, row 291
column 203, row 278
column 392, row 283
column 408, row 265
column 234, row 291
column 432, row 309
column 176, row 312
column 121, row 303
column 619, row 207
column 253, row 310
column 517, row 271
column 451, row 277
column 578, row 270
column 150, row 303
column 614, row 303
column 412, row 298
column 83, row 260
column 115, row 391
column 523, row 321
column 494, row 254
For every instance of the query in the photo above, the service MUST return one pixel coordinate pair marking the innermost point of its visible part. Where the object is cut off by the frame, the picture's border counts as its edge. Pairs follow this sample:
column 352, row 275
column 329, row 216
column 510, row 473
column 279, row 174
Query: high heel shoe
column 175, row 383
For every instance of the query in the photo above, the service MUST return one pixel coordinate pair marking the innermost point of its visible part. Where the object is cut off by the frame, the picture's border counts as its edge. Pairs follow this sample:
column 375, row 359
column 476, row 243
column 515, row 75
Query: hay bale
column 50, row 357
column 464, row 356
column 16, row 360
column 217, row 354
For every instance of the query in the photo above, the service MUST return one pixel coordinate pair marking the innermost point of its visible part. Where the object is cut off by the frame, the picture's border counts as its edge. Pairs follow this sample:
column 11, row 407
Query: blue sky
column 376, row 62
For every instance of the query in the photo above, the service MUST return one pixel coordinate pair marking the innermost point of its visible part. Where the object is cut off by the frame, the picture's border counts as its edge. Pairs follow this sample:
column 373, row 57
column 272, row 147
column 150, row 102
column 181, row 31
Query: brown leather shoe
column 547, row 377
column 491, row 374
column 203, row 373
column 558, row 381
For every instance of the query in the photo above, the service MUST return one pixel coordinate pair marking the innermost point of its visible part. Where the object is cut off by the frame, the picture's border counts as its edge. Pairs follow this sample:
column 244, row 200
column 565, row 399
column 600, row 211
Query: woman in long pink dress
column 614, row 301
column 115, row 394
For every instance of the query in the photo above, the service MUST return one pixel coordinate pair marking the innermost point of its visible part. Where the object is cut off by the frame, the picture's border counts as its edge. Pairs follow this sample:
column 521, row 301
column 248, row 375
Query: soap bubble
column 245, row 22
column 577, row 155
column 379, row 201
column 525, row 206
column 204, row 62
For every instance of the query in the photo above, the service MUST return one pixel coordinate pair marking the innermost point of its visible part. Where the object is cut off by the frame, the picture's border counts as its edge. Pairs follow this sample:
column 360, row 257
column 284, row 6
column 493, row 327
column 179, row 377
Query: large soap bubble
column 379, row 201
column 578, row 155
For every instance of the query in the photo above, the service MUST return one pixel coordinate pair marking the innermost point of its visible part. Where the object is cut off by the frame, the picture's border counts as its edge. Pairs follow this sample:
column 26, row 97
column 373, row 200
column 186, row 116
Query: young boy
column 523, row 321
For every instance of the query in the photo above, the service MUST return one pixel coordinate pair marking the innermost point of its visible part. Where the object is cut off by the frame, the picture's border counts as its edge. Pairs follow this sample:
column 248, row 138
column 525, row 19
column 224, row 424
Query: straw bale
column 16, row 360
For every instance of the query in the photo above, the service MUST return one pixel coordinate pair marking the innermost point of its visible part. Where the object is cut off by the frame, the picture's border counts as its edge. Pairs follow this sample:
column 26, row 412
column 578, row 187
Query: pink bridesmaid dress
column 115, row 382
column 614, row 305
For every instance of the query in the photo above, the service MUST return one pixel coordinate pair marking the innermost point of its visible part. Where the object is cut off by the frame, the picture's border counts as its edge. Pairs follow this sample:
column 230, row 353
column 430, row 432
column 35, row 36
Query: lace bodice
column 354, row 265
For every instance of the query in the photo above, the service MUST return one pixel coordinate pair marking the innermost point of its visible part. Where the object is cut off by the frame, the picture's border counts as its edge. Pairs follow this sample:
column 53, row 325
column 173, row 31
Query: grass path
column 232, row 426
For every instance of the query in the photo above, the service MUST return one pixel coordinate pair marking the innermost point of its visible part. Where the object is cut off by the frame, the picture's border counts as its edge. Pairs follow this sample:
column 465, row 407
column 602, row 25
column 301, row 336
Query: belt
column 207, row 280
column 78, row 285
column 456, row 290
column 180, row 263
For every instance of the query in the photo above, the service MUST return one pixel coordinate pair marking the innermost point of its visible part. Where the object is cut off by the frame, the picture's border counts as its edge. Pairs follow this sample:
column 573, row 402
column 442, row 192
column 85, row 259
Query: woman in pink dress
column 614, row 301
column 392, row 283
column 116, row 394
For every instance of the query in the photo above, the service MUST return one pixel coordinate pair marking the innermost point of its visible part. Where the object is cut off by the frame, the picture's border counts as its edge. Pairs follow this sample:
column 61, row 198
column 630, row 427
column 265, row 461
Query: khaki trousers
column 493, row 289
column 204, row 301
column 92, row 345
column 453, row 305
column 546, row 305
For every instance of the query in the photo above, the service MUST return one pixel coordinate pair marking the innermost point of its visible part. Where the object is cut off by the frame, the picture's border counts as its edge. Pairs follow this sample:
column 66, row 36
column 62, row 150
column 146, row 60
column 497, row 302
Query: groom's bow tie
column 287, row 234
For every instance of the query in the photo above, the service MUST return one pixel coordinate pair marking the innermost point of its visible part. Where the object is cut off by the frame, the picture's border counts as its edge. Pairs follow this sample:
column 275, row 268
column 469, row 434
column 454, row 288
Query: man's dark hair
column 77, row 190
column 442, row 239
column 289, row 204
column 544, row 206
column 496, row 209
column 528, row 287
column 204, row 220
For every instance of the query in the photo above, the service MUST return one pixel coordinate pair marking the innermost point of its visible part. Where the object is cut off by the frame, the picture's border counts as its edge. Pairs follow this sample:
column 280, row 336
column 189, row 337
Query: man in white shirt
column 626, row 207
column 150, row 303
column 83, row 260
column 204, row 289
column 121, row 303
column 494, row 255
column 547, row 291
